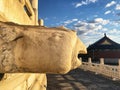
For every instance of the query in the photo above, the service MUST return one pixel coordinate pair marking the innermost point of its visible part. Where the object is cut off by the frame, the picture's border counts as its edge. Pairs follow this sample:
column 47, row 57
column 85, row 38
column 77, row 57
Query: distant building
column 104, row 48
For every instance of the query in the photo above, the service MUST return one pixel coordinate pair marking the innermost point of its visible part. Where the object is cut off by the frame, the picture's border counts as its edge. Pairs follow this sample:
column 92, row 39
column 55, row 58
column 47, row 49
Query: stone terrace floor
column 81, row 80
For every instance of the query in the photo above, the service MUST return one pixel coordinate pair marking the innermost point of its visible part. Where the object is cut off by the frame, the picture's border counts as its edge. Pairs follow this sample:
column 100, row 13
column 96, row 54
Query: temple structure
column 104, row 48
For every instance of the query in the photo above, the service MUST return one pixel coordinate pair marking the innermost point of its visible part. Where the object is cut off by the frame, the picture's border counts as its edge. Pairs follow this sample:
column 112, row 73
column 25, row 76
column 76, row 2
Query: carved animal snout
column 41, row 49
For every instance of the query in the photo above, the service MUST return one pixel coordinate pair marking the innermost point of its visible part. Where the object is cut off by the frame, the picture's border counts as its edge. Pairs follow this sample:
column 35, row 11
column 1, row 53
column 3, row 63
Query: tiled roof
column 104, row 43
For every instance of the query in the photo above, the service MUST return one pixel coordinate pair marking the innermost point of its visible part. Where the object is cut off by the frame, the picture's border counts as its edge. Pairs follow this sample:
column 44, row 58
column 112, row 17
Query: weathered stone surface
column 12, row 45
column 38, row 49
column 20, row 81
column 17, row 11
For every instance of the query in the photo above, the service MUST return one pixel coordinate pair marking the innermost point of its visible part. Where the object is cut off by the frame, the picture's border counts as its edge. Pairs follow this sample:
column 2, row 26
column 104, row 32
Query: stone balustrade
column 111, row 71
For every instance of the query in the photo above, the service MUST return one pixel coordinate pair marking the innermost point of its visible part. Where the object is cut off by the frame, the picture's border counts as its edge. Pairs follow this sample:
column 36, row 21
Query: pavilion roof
column 104, row 43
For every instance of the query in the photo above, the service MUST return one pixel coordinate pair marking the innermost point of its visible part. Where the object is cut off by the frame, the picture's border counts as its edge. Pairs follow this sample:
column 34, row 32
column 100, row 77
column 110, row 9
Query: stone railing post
column 89, row 63
column 82, row 63
column 118, row 62
column 80, row 59
column 102, row 61
column 41, row 22
column 89, row 60
column 101, row 65
column 119, row 68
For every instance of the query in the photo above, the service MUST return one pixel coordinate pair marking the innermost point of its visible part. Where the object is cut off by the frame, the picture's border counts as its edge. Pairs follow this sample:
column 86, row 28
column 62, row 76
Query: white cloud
column 80, row 24
column 101, row 21
column 117, row 7
column 93, row 1
column 114, row 31
column 115, row 23
column 84, row 3
column 107, row 12
column 115, row 35
column 104, row 29
column 110, row 4
column 69, row 21
column 75, row 19
column 90, row 32
column 83, row 27
column 80, row 4
column 94, row 26
column 91, row 36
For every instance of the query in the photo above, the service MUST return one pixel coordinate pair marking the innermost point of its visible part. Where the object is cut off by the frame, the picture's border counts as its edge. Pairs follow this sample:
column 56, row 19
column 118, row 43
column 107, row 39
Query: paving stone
column 81, row 80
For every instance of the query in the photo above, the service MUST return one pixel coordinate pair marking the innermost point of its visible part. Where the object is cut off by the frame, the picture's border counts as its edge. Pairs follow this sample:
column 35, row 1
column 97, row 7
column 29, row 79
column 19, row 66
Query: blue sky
column 90, row 18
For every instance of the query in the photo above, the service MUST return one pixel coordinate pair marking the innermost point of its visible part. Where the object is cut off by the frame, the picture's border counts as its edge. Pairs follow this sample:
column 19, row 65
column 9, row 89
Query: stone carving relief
column 28, row 49
column 28, row 52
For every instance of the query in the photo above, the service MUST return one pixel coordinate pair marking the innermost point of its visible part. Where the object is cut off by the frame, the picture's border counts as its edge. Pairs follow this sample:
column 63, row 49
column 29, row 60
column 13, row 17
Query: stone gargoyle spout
column 38, row 49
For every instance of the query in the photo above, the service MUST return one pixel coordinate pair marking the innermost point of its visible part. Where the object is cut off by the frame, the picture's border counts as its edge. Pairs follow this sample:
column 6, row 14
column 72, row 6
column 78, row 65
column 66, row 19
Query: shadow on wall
column 1, row 75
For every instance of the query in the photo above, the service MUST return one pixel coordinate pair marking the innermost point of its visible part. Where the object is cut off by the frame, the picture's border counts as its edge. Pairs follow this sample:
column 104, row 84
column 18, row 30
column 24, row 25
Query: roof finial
column 105, row 34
